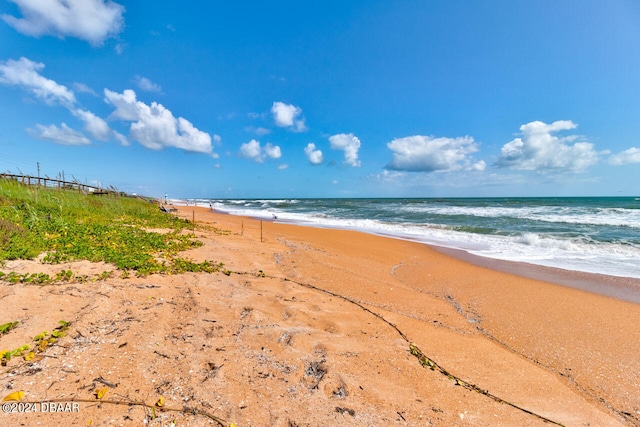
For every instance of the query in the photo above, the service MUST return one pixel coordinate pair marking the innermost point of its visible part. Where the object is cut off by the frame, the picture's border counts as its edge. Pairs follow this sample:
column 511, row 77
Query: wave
column 590, row 239
column 600, row 216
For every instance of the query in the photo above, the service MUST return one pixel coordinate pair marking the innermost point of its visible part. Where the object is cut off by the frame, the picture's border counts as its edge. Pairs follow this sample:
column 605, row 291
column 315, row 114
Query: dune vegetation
column 59, row 225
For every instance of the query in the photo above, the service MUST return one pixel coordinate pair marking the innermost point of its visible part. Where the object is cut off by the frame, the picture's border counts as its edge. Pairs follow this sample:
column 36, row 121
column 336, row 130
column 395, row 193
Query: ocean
column 589, row 234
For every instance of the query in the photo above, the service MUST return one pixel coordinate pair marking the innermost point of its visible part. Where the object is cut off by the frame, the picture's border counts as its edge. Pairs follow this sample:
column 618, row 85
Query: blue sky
column 254, row 99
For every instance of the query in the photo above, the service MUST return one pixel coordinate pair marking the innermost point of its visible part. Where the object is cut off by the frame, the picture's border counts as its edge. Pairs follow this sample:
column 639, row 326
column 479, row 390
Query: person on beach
column 210, row 206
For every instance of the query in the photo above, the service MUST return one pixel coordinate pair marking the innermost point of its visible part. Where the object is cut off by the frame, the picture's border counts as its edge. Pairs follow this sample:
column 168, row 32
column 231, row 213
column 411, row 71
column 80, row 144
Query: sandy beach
column 320, row 327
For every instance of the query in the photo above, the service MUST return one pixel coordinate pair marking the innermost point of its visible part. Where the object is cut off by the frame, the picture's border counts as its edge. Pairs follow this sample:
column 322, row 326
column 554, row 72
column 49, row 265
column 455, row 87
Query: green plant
column 7, row 327
column 64, row 276
column 42, row 341
column 67, row 226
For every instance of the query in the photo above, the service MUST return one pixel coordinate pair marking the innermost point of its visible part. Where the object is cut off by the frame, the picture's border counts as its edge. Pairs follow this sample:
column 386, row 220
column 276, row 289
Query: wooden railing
column 58, row 183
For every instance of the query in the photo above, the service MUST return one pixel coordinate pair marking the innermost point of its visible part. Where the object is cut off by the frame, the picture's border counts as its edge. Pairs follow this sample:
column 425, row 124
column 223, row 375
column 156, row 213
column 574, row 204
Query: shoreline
column 618, row 287
column 621, row 288
column 577, row 242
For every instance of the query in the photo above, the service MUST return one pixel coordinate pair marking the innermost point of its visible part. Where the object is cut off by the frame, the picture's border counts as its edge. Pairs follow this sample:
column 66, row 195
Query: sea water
column 589, row 234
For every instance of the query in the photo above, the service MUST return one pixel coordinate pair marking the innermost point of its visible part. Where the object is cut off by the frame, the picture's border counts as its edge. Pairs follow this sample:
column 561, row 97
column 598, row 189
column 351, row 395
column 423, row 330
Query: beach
column 313, row 327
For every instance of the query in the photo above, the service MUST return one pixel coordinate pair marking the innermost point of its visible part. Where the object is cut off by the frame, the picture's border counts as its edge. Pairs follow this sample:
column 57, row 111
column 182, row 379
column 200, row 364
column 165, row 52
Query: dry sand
column 313, row 328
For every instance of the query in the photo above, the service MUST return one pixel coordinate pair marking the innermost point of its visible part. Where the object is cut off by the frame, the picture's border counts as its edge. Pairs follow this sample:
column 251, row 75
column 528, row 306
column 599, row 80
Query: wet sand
column 314, row 327
column 623, row 288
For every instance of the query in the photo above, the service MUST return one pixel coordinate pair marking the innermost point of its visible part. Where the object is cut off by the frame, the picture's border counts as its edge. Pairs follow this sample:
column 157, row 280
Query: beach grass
column 65, row 225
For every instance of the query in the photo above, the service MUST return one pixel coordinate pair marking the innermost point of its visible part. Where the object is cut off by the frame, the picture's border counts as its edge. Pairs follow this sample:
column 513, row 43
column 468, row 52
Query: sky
column 292, row 99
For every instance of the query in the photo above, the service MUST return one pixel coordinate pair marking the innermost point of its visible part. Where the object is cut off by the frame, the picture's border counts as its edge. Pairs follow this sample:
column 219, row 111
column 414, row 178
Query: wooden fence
column 58, row 183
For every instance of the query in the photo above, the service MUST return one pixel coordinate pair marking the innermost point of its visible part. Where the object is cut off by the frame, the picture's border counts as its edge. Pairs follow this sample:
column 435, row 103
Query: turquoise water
column 596, row 234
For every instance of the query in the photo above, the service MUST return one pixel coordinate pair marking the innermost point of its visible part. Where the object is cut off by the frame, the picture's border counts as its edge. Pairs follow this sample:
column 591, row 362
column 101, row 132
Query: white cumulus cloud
column 286, row 115
column 90, row 20
column 154, row 126
column 421, row 153
column 147, row 85
column 260, row 131
column 120, row 138
column 252, row 150
column 63, row 135
column 348, row 143
column 272, row 151
column 26, row 74
column 540, row 150
column 94, row 125
column 83, row 88
column 626, row 157
column 314, row 156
